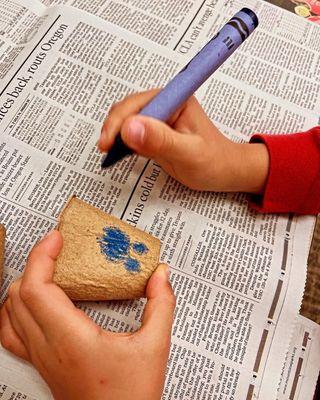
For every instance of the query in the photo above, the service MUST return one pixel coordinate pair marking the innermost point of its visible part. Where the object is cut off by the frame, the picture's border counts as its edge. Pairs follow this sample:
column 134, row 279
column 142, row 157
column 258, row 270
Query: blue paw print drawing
column 115, row 246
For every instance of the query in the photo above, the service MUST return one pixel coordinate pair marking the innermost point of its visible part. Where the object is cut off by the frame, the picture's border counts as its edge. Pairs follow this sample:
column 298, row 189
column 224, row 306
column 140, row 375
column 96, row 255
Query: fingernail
column 101, row 143
column 48, row 235
column 98, row 145
column 164, row 270
column 136, row 132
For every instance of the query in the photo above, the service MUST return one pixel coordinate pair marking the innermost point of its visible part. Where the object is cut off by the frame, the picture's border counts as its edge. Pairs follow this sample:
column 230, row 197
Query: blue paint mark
column 115, row 246
column 139, row 248
column 132, row 265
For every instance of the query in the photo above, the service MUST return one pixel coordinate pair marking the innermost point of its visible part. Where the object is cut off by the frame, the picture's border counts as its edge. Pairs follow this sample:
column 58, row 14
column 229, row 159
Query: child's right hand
column 189, row 147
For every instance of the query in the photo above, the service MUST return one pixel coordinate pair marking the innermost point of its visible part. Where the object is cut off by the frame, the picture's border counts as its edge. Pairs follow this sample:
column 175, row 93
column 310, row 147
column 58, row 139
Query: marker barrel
column 193, row 75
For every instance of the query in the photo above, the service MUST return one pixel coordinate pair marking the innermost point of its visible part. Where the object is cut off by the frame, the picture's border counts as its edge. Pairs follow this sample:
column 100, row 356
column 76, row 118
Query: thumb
column 150, row 137
column 41, row 261
column 158, row 314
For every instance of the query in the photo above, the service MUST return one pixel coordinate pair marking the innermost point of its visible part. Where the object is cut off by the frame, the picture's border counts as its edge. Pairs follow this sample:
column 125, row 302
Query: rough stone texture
column 84, row 272
column 2, row 243
column 311, row 301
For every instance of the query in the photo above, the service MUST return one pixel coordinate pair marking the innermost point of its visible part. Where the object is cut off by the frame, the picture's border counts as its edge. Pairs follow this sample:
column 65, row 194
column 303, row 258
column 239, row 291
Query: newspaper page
column 282, row 61
column 238, row 275
column 18, row 24
column 301, row 369
column 163, row 22
column 192, row 20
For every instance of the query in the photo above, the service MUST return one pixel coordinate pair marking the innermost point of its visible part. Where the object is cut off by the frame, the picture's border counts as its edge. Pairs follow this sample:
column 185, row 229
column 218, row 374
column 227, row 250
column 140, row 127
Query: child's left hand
column 76, row 358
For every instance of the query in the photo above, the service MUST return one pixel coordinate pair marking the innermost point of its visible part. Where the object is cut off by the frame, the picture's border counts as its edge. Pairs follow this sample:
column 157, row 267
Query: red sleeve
column 293, row 183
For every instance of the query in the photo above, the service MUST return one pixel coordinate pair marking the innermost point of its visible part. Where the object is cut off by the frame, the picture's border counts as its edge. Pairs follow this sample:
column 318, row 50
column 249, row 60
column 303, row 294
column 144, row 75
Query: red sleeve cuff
column 293, row 183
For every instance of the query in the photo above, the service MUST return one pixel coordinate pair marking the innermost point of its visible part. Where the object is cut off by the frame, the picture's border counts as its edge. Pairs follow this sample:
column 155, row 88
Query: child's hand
column 189, row 148
column 76, row 358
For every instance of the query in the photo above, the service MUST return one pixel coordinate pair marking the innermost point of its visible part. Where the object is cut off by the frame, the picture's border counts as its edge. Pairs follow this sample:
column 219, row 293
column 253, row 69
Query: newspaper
column 301, row 368
column 238, row 276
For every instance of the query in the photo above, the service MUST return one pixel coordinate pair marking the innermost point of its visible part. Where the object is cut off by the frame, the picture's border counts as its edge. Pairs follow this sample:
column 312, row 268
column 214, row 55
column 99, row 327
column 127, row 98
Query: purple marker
column 193, row 75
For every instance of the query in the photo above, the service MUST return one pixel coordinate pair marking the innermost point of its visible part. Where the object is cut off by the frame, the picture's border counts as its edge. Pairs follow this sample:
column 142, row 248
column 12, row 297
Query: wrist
column 251, row 168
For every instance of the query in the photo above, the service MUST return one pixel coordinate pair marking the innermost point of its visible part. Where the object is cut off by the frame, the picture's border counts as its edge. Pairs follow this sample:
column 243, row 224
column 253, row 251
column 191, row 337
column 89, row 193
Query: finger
column 130, row 105
column 38, row 276
column 158, row 314
column 9, row 338
column 15, row 323
column 54, row 318
column 41, row 261
column 154, row 139
column 22, row 320
column 45, row 300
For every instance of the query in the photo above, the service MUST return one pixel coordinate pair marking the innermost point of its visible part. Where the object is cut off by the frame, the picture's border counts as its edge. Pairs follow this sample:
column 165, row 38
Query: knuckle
column 166, row 141
column 6, row 342
column 27, row 292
